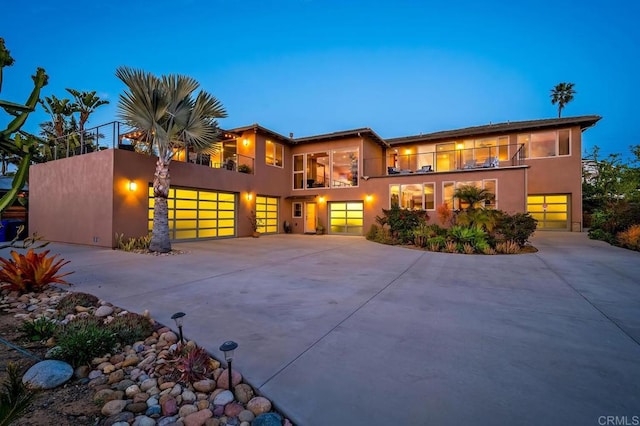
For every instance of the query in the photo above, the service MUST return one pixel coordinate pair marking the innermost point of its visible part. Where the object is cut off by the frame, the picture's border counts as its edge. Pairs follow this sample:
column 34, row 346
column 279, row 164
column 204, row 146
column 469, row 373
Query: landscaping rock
column 198, row 418
column 259, row 405
column 206, row 385
column 223, row 380
column 103, row 311
column 113, row 407
column 124, row 417
column 47, row 374
column 144, row 421
column 246, row 416
column 243, row 393
column 267, row 419
column 233, row 409
column 223, row 398
column 169, row 407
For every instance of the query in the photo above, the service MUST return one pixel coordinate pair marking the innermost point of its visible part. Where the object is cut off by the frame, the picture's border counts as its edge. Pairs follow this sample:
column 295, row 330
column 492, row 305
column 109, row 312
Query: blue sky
column 311, row 66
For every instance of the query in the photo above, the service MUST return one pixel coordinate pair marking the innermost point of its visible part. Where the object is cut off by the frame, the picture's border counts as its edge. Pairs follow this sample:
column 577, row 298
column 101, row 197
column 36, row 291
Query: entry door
column 310, row 217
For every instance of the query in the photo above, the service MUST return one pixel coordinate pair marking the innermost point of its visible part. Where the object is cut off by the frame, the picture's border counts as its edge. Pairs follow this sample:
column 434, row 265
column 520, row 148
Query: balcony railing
column 117, row 135
column 451, row 160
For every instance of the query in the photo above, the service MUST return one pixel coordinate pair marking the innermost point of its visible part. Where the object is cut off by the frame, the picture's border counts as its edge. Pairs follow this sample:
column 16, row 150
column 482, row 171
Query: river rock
column 103, row 311
column 259, row 405
column 206, row 385
column 243, row 392
column 223, row 380
column 198, row 418
column 223, row 398
column 113, row 407
column 267, row 419
column 186, row 410
column 246, row 416
column 144, row 421
column 233, row 409
column 47, row 374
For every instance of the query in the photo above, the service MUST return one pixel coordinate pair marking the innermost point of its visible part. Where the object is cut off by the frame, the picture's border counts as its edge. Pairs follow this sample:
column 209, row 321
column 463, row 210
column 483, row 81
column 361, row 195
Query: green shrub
column 15, row 398
column 132, row 243
column 461, row 235
column 67, row 305
column 517, row 227
column 421, row 234
column 130, row 327
column 402, row 222
column 40, row 328
column 436, row 243
column 602, row 235
column 83, row 339
column 614, row 218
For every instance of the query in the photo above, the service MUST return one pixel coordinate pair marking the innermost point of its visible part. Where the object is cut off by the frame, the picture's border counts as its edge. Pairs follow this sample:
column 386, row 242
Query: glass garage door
column 196, row 213
column 346, row 218
column 551, row 211
column 267, row 214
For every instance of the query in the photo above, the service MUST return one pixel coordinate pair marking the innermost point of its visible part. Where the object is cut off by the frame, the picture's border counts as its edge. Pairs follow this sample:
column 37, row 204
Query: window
column 274, row 152
column 546, row 144
column 298, row 172
column 297, row 209
column 344, row 170
column 448, row 190
column 335, row 169
column 413, row 196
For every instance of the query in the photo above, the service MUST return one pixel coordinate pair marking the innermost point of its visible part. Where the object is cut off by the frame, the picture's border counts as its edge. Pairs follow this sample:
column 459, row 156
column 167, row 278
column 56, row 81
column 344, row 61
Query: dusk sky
column 311, row 67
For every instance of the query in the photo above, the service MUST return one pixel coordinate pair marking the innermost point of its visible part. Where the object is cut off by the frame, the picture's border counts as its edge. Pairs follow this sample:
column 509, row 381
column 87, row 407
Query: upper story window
column 546, row 144
column 336, row 169
column 274, row 153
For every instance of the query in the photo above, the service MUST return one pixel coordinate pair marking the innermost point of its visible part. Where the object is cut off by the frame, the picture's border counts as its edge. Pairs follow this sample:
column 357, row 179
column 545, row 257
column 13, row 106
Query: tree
column 473, row 196
column 85, row 103
column 562, row 94
column 169, row 117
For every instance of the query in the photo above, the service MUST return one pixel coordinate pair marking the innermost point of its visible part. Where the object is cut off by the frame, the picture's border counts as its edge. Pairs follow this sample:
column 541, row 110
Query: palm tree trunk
column 160, row 233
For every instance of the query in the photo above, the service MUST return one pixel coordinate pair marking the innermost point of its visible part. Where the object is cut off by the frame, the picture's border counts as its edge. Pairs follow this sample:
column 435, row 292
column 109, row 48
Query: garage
column 267, row 214
column 195, row 214
column 551, row 211
column 346, row 218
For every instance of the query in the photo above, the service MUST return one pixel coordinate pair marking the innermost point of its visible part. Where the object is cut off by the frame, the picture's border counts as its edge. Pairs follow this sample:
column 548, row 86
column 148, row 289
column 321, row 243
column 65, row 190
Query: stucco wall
column 71, row 199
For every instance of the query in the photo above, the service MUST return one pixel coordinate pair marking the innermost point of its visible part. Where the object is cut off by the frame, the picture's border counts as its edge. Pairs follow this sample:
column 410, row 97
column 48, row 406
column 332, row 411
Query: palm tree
column 165, row 111
column 473, row 196
column 85, row 103
column 562, row 94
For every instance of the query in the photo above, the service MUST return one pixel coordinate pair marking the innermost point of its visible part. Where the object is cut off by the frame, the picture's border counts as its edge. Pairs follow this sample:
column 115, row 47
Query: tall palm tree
column 165, row 111
column 562, row 94
column 85, row 103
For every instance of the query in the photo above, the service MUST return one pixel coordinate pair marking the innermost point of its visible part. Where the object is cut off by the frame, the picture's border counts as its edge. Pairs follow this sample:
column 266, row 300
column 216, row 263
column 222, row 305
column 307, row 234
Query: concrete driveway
column 339, row 330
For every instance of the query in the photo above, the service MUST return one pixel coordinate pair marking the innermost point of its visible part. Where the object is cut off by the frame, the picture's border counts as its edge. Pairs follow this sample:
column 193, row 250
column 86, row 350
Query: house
column 339, row 180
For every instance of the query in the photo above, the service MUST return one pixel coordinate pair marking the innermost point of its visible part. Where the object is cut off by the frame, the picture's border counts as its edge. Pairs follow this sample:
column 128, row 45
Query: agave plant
column 31, row 272
column 15, row 398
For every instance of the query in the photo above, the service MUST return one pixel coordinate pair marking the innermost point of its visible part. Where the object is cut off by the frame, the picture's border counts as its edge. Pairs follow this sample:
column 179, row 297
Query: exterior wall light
column 368, row 198
column 227, row 348
column 321, row 199
column 132, row 186
column 249, row 196
column 178, row 317
column 245, row 142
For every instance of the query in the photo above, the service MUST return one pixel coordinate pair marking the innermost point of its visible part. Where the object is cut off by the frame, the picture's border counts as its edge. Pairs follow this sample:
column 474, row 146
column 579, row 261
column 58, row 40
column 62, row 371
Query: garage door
column 346, row 218
column 267, row 214
column 197, row 213
column 551, row 211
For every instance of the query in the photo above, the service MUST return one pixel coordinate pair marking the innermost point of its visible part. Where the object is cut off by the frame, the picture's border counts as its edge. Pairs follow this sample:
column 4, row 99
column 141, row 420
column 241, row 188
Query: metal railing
column 113, row 135
column 450, row 160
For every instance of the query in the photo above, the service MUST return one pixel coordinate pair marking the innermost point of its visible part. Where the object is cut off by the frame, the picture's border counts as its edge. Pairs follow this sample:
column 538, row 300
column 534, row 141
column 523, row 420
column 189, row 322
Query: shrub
column 445, row 214
column 15, row 398
column 630, row 238
column 67, row 305
column 473, row 236
column 517, row 227
column 468, row 248
column 130, row 327
column 402, row 222
column 379, row 235
column 190, row 364
column 489, row 250
column 32, row 272
column 450, row 247
column 40, row 328
column 83, row 339
column 436, row 243
column 421, row 234
column 132, row 243
column 508, row 247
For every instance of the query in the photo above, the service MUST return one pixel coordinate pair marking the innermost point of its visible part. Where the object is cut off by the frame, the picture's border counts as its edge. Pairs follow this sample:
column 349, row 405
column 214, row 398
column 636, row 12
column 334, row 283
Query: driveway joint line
column 561, row 277
column 362, row 305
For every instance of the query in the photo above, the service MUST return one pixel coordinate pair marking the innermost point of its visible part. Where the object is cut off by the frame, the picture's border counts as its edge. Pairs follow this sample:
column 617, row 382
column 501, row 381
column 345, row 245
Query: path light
column 178, row 317
column 227, row 348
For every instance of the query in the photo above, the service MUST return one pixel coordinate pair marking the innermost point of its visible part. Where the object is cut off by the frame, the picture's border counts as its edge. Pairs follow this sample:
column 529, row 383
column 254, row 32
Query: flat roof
column 584, row 122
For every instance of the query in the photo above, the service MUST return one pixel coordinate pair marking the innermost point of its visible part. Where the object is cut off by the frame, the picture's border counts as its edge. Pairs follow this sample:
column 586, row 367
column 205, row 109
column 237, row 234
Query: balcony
column 451, row 160
column 116, row 135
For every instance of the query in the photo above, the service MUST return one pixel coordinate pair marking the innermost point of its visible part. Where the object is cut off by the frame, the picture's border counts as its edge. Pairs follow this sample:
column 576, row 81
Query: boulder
column 47, row 374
